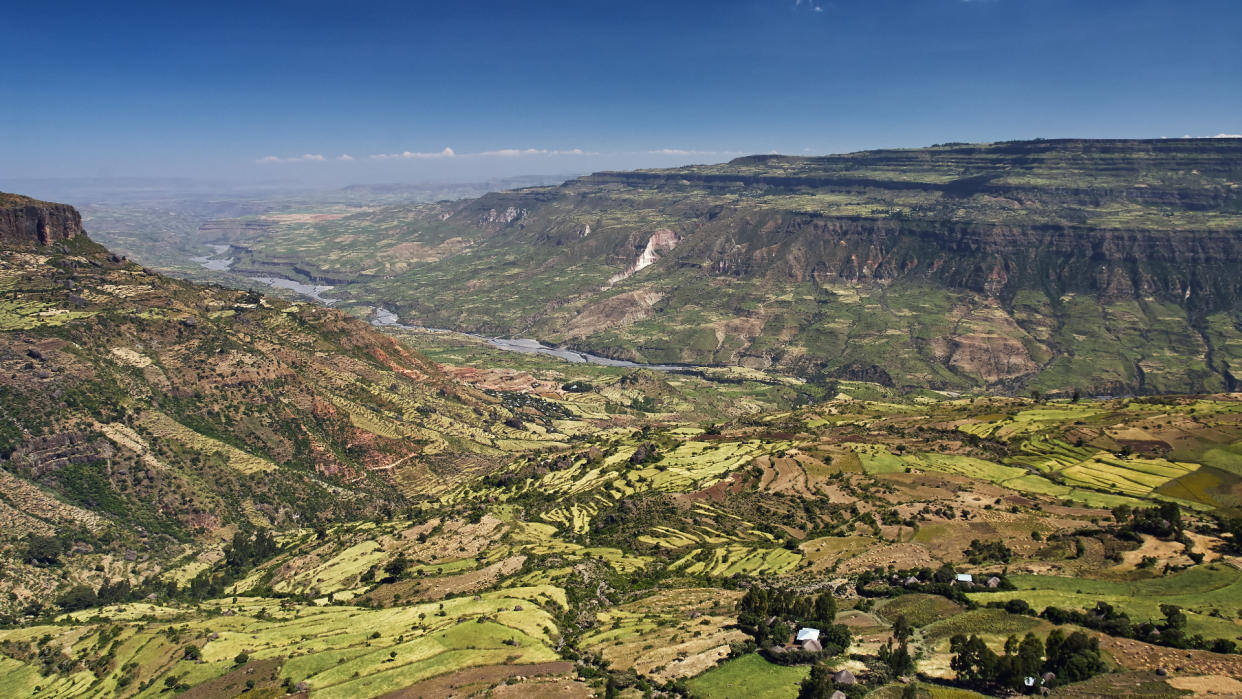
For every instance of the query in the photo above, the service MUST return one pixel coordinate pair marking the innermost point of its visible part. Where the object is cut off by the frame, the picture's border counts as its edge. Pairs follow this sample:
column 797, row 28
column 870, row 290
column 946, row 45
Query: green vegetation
column 749, row 676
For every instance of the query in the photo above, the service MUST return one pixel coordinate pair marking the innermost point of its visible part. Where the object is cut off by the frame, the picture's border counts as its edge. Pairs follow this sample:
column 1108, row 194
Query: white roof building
column 965, row 578
column 807, row 634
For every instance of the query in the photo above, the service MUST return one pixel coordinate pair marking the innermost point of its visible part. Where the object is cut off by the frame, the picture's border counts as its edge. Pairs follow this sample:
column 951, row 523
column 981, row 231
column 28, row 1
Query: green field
column 748, row 677
column 1211, row 596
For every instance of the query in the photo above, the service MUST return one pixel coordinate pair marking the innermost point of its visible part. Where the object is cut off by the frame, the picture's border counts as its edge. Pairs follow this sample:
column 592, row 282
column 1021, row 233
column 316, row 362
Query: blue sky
column 319, row 91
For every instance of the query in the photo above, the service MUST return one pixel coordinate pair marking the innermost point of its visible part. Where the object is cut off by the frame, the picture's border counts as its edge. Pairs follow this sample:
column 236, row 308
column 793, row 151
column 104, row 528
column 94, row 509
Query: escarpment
column 26, row 221
column 1060, row 265
column 1192, row 267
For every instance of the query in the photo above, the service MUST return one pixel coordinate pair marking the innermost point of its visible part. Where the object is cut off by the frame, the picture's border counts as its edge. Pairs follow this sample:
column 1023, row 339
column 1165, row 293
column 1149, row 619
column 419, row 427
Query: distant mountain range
column 1099, row 266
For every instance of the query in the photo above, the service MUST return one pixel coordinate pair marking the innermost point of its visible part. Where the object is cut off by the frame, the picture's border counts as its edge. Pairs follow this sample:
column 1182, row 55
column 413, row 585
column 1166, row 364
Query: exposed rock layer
column 26, row 221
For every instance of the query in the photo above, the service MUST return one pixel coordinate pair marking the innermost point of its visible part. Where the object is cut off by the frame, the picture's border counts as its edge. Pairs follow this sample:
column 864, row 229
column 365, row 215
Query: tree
column 826, row 609
column 898, row 660
column 902, row 630
column 397, row 566
column 973, row 660
column 43, row 550
column 241, row 658
column 78, row 597
column 1231, row 528
column 1073, row 658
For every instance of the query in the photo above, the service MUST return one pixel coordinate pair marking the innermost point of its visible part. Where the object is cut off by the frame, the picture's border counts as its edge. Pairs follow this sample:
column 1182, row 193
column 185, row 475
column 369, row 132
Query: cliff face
column 1191, row 268
column 25, row 221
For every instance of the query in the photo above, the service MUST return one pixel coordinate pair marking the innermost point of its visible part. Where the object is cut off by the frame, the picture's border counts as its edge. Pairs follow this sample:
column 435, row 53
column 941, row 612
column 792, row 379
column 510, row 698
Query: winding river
column 382, row 317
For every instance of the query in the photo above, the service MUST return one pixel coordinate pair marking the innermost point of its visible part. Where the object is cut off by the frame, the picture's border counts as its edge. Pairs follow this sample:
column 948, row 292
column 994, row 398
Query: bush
column 43, row 550
column 79, row 597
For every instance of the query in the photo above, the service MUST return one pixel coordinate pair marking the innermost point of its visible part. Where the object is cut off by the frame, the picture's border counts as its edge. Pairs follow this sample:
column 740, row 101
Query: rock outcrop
column 25, row 221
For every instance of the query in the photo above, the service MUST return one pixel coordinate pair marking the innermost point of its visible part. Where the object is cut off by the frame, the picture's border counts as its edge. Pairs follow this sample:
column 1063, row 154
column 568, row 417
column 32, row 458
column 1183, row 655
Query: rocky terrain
column 25, row 221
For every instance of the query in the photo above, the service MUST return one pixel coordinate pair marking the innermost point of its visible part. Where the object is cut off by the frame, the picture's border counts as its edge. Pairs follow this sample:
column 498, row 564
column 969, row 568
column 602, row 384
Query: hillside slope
column 141, row 413
column 1102, row 266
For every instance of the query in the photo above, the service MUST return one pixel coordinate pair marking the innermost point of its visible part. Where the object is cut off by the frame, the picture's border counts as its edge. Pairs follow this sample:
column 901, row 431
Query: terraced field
column 337, row 651
column 1211, row 596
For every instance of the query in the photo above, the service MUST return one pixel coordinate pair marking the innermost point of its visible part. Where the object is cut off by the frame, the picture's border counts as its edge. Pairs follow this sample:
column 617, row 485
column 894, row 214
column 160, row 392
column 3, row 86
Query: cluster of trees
column 821, row 684
column 244, row 552
column 1115, row 622
column 240, row 556
column 85, row 597
column 882, row 582
column 980, row 552
column 43, row 550
column 1231, row 531
column 772, row 616
column 1072, row 658
column 1164, row 521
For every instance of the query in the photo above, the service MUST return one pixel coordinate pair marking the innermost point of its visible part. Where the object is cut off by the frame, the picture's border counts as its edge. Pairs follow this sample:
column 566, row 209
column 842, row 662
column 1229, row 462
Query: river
column 382, row 317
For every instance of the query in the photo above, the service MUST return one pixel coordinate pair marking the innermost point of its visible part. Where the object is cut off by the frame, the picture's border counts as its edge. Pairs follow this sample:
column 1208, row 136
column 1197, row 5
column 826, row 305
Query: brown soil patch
column 1162, row 551
column 733, row 484
column 991, row 357
column 1208, row 685
column 430, row 589
column 542, row 688
column 509, row 380
column 783, row 474
column 619, row 310
column 476, row 681
column 1137, row 655
column 900, row 555
column 265, row 674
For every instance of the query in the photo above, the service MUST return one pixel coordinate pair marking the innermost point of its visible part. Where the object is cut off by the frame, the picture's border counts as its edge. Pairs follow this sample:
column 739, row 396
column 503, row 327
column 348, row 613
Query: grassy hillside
column 140, row 414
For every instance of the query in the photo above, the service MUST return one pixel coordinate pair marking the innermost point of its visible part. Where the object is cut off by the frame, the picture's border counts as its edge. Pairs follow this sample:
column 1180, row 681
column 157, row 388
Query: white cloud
column 407, row 155
column 686, row 151
column 1228, row 135
column 345, row 156
column 679, row 151
column 512, row 152
column 519, row 152
column 304, row 158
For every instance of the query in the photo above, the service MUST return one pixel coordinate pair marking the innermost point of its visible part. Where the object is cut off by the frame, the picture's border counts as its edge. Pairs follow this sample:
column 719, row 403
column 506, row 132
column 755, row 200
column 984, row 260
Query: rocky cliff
column 25, row 221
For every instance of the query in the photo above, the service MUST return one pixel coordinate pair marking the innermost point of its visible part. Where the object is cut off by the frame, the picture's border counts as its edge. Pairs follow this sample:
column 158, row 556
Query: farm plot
column 337, row 650
column 749, row 676
column 918, row 609
column 672, row 634
column 164, row 427
column 1211, row 596
column 1094, row 468
column 1030, row 421
column 575, row 518
column 734, row 559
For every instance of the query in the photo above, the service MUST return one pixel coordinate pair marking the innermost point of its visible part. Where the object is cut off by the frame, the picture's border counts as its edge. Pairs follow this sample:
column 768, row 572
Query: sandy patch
column 1208, row 685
